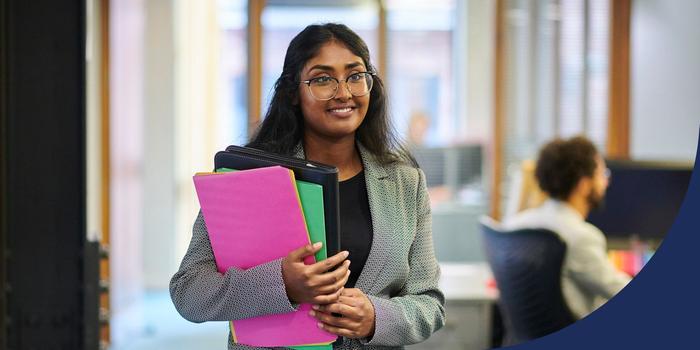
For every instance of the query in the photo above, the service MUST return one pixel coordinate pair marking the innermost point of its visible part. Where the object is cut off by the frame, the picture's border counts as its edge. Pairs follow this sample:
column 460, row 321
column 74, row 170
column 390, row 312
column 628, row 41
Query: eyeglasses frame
column 345, row 81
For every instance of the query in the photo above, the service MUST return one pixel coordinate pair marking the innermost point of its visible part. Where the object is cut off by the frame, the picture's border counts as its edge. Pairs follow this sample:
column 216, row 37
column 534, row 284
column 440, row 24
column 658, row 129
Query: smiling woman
column 332, row 111
column 329, row 106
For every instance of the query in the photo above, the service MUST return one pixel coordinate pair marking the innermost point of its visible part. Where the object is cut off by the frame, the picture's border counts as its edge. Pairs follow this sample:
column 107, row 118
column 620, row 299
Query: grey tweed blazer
column 400, row 276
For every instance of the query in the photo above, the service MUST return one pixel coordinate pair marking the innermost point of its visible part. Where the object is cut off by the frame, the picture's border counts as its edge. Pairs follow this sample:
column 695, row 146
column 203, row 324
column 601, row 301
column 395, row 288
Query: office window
column 428, row 60
column 233, row 20
column 556, row 75
column 597, row 57
column 420, row 70
column 557, row 56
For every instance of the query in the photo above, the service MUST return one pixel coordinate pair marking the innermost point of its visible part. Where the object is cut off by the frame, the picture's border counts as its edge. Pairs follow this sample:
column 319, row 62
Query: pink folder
column 253, row 217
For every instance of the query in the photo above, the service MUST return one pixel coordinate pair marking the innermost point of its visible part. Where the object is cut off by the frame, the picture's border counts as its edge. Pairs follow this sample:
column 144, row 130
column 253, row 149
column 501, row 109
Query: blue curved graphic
column 660, row 308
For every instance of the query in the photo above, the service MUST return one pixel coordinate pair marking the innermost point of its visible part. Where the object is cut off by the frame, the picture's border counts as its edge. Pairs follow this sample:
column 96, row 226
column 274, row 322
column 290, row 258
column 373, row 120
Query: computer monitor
column 432, row 161
column 643, row 198
column 453, row 166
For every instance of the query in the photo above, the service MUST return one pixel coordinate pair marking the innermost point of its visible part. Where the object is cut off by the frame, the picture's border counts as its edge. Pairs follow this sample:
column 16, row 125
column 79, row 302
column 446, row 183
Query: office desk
column 468, row 307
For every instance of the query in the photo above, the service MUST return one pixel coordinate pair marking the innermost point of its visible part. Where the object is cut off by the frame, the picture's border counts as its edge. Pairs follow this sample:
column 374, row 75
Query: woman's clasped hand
column 319, row 283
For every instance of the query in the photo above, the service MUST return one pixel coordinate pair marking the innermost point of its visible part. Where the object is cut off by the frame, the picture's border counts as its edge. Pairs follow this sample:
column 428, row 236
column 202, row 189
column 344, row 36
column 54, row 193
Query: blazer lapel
column 379, row 188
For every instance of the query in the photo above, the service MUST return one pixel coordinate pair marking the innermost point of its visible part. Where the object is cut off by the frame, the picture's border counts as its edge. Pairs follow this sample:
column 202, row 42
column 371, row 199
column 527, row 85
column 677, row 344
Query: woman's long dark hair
column 283, row 127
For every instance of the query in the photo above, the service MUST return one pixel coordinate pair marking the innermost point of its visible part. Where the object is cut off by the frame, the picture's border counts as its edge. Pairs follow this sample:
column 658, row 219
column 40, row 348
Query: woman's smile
column 341, row 111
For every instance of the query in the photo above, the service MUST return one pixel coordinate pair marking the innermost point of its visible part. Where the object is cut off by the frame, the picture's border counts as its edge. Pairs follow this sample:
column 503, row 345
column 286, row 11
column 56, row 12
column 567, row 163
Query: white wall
column 480, row 42
column 665, row 81
column 159, row 146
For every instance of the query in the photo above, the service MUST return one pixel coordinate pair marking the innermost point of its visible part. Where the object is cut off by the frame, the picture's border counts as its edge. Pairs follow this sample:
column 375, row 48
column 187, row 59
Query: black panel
column 3, row 171
column 91, row 295
column 43, row 173
column 643, row 198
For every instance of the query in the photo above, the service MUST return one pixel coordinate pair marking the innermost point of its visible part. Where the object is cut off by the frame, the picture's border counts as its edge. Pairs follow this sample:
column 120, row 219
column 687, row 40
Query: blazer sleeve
column 590, row 268
column 418, row 309
column 200, row 293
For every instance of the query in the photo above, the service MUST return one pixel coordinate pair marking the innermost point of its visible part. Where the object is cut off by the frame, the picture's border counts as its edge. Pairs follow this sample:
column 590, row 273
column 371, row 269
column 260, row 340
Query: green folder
column 311, row 196
column 313, row 347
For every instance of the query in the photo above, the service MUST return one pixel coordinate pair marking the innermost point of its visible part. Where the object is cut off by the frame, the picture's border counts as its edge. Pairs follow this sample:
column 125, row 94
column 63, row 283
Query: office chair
column 527, row 267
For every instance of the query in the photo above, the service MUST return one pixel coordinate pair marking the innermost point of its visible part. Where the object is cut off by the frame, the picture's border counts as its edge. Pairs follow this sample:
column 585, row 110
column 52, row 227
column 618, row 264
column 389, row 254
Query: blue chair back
column 527, row 267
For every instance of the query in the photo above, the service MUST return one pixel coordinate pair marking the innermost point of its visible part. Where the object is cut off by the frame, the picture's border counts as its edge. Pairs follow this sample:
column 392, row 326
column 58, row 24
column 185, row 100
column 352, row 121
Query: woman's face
column 340, row 116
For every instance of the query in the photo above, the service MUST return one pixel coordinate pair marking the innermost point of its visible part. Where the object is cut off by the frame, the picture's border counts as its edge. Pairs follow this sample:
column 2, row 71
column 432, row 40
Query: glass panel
column 427, row 56
column 572, row 67
column 232, row 16
column 598, row 56
column 420, row 77
column 556, row 79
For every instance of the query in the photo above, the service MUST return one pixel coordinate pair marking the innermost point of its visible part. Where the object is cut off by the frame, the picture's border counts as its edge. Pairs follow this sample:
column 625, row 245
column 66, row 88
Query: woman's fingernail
column 320, row 325
column 312, row 314
column 315, row 307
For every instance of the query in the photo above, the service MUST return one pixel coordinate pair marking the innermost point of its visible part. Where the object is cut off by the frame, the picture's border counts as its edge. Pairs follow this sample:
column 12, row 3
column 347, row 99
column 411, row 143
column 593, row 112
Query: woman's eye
column 355, row 77
column 322, row 80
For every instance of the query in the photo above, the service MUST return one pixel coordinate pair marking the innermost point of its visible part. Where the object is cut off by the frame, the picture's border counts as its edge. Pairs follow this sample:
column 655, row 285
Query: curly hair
column 283, row 126
column 562, row 163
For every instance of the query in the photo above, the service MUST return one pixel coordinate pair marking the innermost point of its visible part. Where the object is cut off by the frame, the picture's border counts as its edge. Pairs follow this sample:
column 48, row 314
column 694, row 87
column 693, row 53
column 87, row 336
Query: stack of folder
column 630, row 261
column 259, row 215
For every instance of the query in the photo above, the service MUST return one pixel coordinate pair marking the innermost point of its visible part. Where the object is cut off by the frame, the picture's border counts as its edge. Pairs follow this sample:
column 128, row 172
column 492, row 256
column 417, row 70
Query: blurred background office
column 475, row 88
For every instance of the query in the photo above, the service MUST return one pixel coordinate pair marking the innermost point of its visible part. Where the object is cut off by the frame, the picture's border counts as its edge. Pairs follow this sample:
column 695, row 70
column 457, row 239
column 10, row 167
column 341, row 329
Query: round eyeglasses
column 325, row 88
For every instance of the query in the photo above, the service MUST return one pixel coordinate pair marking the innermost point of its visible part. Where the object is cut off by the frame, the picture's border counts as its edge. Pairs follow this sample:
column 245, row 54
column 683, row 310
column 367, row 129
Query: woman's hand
column 317, row 283
column 356, row 312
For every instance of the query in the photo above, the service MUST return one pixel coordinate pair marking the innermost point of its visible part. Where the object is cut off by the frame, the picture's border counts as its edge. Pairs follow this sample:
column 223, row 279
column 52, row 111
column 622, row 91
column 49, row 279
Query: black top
column 355, row 224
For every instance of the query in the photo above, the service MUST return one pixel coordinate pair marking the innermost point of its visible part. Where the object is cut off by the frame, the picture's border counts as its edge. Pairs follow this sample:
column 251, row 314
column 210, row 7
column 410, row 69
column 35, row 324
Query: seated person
column 574, row 176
